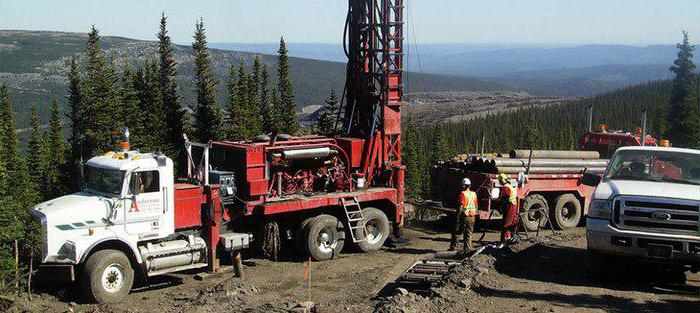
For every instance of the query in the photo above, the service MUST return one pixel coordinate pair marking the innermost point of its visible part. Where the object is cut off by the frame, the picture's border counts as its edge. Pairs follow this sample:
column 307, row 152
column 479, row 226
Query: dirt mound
column 456, row 292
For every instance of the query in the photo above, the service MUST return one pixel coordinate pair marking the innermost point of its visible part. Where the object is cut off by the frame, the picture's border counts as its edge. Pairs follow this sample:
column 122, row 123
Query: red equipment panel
column 354, row 148
column 188, row 205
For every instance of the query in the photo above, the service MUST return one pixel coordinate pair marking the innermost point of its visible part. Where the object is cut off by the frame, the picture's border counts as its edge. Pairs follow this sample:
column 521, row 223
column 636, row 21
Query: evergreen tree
column 327, row 121
column 55, row 154
column 154, row 136
column 99, row 102
column 684, row 114
column 234, row 103
column 175, row 114
column 129, row 98
column 287, row 105
column 265, row 101
column 208, row 118
column 37, row 153
column 276, row 116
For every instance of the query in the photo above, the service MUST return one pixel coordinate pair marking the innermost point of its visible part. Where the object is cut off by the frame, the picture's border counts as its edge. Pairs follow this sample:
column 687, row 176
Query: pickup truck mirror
column 591, row 180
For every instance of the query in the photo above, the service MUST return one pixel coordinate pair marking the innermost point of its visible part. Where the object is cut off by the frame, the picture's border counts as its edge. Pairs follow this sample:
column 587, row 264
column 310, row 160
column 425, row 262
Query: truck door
column 145, row 207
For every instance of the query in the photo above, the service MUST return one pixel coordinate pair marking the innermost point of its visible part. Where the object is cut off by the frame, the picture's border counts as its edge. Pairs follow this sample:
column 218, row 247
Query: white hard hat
column 466, row 182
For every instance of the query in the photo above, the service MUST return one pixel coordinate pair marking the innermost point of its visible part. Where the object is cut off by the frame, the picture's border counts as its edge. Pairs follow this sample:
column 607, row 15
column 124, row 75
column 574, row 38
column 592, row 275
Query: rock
column 304, row 307
column 72, row 304
column 465, row 283
column 401, row 291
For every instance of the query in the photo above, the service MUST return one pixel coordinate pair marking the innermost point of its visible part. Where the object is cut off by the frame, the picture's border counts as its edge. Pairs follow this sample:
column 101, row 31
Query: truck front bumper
column 56, row 272
column 604, row 238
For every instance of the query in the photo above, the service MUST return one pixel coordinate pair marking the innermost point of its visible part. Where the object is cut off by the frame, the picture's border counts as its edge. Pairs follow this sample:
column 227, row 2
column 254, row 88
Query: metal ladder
column 356, row 220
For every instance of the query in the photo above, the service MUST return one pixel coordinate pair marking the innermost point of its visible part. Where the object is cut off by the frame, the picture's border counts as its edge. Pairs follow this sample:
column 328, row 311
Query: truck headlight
column 600, row 209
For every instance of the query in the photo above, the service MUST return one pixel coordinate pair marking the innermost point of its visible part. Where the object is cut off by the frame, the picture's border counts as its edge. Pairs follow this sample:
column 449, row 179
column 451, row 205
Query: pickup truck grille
column 657, row 214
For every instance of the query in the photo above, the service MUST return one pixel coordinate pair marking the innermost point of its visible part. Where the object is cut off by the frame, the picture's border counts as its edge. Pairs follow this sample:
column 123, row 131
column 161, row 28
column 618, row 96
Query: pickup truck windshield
column 659, row 166
column 104, row 180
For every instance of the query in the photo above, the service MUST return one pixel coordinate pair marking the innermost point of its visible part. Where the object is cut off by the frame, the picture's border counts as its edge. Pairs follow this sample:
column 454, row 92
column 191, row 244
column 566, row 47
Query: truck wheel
column 377, row 228
column 324, row 237
column 299, row 235
column 107, row 276
column 532, row 204
column 567, row 212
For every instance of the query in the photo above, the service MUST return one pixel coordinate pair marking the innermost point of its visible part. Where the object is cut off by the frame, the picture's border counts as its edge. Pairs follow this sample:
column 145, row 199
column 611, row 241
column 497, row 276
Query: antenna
column 644, row 128
column 590, row 118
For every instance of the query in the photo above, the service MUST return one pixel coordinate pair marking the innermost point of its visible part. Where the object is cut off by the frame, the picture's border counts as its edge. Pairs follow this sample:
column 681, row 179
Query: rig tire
column 377, row 223
column 567, row 212
column 323, row 237
column 107, row 276
column 533, row 220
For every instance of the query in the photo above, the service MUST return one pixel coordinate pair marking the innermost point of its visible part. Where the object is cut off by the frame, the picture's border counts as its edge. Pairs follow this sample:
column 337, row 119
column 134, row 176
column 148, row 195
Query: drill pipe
column 548, row 162
column 554, row 154
column 552, row 170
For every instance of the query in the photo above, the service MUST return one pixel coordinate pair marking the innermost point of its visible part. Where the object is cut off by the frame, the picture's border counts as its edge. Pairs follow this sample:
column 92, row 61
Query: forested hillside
column 555, row 127
column 34, row 64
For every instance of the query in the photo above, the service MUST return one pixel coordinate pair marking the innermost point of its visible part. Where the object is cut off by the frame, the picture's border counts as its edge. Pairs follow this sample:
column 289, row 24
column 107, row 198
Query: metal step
column 355, row 218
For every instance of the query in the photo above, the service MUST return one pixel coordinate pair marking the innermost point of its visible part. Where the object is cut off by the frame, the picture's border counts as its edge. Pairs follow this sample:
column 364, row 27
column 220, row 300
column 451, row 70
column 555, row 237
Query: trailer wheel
column 532, row 204
column 377, row 228
column 324, row 237
column 107, row 276
column 567, row 212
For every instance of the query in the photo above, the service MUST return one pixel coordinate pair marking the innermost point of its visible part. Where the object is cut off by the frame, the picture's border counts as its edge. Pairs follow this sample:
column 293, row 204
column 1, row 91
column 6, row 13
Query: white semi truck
column 647, row 208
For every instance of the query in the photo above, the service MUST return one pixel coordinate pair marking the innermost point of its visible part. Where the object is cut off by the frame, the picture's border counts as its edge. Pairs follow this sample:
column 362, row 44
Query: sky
column 636, row 22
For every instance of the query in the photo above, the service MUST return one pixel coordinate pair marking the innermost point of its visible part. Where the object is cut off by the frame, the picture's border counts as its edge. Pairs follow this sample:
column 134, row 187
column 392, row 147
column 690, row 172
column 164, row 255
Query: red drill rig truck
column 320, row 193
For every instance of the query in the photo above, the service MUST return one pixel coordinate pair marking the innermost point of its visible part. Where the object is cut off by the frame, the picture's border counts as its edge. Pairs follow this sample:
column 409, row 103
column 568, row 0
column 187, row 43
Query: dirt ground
column 546, row 274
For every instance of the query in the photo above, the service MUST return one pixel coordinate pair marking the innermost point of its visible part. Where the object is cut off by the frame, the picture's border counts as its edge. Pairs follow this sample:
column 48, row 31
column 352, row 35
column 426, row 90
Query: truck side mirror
column 591, row 180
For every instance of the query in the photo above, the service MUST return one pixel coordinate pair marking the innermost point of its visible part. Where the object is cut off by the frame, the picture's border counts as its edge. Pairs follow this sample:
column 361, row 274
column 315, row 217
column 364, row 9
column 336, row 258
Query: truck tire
column 324, row 237
column 531, row 204
column 299, row 235
column 107, row 276
column 567, row 212
column 378, row 230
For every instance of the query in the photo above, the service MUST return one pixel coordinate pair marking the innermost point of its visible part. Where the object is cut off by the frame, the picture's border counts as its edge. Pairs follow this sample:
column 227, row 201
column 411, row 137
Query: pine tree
column 175, row 114
column 287, row 105
column 37, row 154
column 77, row 127
column 55, row 154
column 276, row 114
column 154, row 137
column 8, row 137
column 99, row 102
column 208, row 118
column 234, row 104
column 265, row 101
column 129, row 99
column 327, row 121
column 684, row 114
column 253, row 109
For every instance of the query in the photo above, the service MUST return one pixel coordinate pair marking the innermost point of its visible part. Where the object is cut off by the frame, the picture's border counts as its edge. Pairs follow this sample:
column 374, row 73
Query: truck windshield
column 660, row 166
column 104, row 180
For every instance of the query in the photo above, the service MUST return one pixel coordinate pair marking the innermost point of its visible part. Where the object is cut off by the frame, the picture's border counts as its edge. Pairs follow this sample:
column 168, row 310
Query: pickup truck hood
column 610, row 188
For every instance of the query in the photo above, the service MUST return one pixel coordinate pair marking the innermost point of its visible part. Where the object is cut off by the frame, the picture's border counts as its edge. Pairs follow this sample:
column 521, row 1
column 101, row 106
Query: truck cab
column 647, row 207
column 127, row 201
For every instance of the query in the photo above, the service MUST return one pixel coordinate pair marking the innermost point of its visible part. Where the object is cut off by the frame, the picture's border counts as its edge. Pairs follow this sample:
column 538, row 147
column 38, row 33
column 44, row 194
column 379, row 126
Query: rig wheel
column 531, row 204
column 323, row 237
column 107, row 276
column 378, row 230
column 567, row 212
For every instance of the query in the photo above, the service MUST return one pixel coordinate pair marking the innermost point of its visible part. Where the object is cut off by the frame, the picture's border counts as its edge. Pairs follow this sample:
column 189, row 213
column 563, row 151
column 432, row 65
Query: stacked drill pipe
column 541, row 162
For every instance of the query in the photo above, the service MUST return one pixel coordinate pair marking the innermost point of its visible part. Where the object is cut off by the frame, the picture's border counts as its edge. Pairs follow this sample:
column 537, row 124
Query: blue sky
column 320, row 21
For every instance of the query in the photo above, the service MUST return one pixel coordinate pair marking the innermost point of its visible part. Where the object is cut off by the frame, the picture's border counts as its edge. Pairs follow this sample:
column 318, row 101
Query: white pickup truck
column 647, row 207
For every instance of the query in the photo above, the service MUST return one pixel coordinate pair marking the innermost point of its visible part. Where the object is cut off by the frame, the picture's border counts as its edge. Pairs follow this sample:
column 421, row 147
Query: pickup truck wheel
column 107, row 276
column 324, row 237
column 567, row 211
column 377, row 230
column 532, row 204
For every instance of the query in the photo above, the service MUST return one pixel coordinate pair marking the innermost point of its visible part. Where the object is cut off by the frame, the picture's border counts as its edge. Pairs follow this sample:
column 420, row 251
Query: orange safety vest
column 471, row 205
column 513, row 198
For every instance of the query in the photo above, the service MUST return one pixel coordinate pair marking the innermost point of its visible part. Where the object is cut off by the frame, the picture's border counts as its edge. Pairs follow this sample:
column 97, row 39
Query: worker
column 509, row 198
column 466, row 217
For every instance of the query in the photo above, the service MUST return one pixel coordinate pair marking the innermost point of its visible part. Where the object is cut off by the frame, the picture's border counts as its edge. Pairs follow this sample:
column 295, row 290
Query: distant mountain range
column 541, row 69
column 35, row 64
